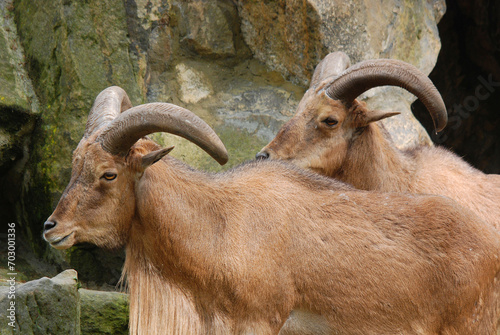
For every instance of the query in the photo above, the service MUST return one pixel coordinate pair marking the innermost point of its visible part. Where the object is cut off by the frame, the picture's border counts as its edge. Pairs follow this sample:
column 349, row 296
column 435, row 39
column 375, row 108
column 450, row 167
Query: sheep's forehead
column 89, row 159
column 314, row 105
column 327, row 104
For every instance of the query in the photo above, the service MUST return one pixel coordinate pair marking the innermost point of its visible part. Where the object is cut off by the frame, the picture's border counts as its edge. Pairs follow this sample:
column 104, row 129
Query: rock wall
column 293, row 36
column 240, row 65
column 18, row 114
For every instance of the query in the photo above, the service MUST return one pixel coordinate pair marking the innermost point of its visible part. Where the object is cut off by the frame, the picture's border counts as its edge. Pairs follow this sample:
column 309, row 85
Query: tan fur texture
column 244, row 251
column 357, row 150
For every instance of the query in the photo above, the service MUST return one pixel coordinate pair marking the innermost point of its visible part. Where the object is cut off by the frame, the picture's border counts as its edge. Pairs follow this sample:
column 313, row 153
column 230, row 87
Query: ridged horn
column 107, row 106
column 380, row 72
column 142, row 120
column 331, row 66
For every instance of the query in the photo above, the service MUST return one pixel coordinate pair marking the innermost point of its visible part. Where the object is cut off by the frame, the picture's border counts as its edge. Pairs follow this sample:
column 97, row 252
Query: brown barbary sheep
column 267, row 247
column 334, row 134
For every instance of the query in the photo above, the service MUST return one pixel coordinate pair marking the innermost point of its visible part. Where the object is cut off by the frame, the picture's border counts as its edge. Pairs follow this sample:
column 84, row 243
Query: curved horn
column 142, row 120
column 331, row 66
column 107, row 106
column 380, row 72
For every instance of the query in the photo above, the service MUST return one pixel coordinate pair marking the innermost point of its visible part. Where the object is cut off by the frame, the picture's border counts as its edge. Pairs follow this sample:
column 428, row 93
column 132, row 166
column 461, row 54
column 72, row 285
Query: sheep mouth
column 60, row 242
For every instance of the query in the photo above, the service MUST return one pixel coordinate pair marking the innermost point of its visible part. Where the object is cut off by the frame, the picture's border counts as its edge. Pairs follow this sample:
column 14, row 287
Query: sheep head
column 98, row 205
column 329, row 118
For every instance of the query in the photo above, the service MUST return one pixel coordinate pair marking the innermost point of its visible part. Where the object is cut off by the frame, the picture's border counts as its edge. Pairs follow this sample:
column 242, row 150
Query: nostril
column 262, row 155
column 49, row 225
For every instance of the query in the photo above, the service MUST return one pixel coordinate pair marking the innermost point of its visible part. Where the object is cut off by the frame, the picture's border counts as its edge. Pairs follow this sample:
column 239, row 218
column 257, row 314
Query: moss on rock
column 74, row 50
column 103, row 313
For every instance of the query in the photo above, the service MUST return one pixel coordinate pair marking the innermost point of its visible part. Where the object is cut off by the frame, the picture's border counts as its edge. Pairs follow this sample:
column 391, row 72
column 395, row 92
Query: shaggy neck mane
column 158, row 240
column 155, row 304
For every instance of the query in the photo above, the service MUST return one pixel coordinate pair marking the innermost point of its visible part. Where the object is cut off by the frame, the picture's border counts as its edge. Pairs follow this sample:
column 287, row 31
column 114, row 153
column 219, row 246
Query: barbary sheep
column 268, row 246
column 334, row 134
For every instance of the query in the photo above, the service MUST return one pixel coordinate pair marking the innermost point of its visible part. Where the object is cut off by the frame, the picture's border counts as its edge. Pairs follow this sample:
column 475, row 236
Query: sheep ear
column 374, row 116
column 153, row 157
column 378, row 115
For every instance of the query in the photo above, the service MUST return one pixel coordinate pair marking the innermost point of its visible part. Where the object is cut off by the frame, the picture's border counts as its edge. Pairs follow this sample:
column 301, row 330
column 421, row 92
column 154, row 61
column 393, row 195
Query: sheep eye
column 109, row 175
column 330, row 122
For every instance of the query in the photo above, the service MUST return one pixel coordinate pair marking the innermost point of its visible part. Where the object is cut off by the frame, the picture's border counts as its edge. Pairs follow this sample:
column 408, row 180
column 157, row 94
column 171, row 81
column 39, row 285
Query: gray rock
column 294, row 38
column 12, row 92
column 193, row 84
column 43, row 306
column 259, row 111
column 207, row 30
